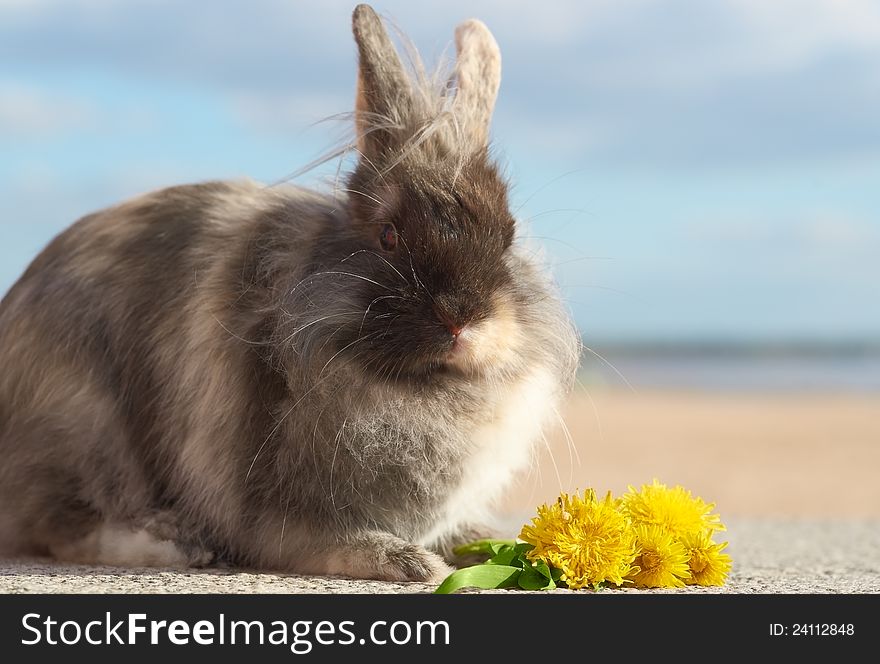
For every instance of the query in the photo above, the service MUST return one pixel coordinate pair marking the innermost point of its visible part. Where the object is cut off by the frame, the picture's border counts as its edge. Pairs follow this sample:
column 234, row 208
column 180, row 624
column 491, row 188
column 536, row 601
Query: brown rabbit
column 285, row 379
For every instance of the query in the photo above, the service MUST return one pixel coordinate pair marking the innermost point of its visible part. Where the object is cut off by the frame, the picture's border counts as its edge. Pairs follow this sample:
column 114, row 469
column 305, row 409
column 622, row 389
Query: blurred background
column 704, row 178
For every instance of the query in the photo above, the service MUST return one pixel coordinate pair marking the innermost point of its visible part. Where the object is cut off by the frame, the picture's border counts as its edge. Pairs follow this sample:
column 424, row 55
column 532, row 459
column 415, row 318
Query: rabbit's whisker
column 336, row 442
column 312, row 276
column 544, row 186
column 612, row 367
column 290, row 338
column 343, row 349
column 356, row 276
column 277, row 427
column 412, row 267
column 553, row 461
column 370, row 306
column 569, row 444
column 361, row 193
column 380, row 257
column 369, row 162
column 283, row 524
column 595, row 411
column 235, row 336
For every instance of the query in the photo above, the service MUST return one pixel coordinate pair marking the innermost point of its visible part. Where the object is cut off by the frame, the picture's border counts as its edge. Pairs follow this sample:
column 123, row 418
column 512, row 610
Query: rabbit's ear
column 384, row 95
column 478, row 74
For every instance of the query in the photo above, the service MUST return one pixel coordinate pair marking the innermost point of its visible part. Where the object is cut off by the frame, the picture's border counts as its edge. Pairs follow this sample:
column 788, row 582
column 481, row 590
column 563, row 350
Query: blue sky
column 692, row 168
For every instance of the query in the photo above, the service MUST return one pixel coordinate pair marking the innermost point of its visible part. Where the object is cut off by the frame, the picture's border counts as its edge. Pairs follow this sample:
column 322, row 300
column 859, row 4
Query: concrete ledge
column 769, row 557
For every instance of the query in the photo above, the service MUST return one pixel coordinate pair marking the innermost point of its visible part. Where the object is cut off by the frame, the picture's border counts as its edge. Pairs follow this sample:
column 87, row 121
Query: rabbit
column 274, row 378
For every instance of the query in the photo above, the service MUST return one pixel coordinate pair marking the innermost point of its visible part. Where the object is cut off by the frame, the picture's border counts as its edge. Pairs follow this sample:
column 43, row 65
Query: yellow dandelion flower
column 662, row 561
column 673, row 509
column 587, row 539
column 708, row 565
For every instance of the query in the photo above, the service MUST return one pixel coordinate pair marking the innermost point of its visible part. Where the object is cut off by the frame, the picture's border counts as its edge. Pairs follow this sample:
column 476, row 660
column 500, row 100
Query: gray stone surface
column 769, row 557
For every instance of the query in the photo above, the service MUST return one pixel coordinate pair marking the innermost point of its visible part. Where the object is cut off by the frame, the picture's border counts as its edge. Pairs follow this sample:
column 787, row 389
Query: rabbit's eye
column 388, row 237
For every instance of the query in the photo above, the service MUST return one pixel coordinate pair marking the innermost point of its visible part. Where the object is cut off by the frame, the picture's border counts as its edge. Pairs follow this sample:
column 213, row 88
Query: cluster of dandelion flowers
column 588, row 540
column 674, row 533
column 652, row 537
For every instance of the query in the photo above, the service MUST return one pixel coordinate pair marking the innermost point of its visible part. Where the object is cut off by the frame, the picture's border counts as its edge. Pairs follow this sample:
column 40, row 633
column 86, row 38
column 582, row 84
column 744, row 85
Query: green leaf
column 480, row 576
column 489, row 547
column 500, row 545
column 544, row 570
column 532, row 579
column 523, row 560
column 535, row 576
column 506, row 556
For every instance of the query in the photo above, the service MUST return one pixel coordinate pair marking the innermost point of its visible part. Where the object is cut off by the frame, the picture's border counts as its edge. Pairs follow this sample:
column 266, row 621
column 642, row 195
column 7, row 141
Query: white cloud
column 34, row 6
column 787, row 35
column 828, row 234
column 805, row 27
column 836, row 232
column 695, row 45
column 28, row 111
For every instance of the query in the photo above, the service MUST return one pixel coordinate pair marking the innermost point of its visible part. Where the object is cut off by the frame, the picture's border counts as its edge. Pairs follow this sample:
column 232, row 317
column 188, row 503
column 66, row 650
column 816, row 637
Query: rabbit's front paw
column 384, row 557
column 411, row 562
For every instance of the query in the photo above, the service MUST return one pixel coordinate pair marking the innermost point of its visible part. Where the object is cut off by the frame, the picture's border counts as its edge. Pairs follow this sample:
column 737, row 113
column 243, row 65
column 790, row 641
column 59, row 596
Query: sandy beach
column 808, row 455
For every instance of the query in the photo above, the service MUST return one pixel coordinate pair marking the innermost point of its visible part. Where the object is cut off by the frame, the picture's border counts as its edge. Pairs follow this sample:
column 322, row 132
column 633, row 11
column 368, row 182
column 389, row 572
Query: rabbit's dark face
column 419, row 284
column 441, row 297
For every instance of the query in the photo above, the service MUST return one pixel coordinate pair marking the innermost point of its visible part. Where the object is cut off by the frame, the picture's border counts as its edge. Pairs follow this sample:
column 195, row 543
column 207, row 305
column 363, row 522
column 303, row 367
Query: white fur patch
column 491, row 343
column 115, row 545
column 502, row 447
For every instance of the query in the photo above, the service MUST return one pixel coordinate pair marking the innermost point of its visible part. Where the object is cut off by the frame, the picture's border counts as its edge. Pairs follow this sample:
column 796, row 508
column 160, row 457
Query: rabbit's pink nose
column 455, row 328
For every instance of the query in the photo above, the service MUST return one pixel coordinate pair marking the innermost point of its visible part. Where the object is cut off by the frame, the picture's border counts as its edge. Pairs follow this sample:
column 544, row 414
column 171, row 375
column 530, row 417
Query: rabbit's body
column 237, row 370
